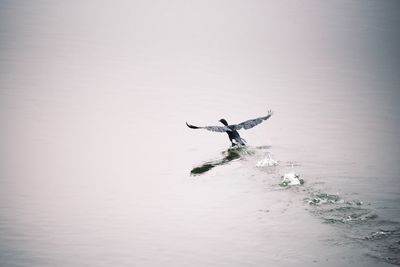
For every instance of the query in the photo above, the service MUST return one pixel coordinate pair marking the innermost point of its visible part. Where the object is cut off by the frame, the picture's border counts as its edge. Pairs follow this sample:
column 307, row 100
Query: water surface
column 99, row 169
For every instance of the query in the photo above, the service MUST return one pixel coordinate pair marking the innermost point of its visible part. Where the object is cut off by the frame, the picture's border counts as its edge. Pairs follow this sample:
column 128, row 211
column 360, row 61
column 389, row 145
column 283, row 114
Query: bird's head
column 224, row 122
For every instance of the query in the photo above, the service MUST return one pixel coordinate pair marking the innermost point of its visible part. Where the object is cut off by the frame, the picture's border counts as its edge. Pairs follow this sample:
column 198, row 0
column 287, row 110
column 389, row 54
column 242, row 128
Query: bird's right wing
column 220, row 129
column 253, row 122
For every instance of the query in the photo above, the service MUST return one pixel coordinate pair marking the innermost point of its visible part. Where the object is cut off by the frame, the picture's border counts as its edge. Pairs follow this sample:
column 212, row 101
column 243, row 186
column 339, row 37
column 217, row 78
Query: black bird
column 232, row 130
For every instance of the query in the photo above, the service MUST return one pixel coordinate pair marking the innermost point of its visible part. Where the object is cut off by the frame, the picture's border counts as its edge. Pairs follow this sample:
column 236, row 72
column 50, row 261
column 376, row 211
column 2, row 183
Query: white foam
column 291, row 178
column 267, row 161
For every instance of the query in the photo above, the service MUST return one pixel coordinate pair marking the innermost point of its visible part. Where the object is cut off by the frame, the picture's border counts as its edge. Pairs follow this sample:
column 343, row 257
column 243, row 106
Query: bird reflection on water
column 229, row 155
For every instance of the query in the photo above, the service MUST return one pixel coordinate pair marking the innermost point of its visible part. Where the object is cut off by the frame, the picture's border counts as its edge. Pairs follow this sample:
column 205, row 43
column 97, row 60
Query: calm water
column 96, row 159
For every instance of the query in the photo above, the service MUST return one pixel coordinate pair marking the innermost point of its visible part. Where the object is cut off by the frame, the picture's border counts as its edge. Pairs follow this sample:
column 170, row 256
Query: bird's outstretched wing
column 220, row 129
column 251, row 123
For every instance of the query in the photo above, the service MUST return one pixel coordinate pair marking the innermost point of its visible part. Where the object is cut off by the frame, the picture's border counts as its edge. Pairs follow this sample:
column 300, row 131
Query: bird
column 232, row 129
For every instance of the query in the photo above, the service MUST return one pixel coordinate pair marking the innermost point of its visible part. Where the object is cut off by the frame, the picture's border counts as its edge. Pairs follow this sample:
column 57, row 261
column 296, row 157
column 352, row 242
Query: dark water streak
column 229, row 155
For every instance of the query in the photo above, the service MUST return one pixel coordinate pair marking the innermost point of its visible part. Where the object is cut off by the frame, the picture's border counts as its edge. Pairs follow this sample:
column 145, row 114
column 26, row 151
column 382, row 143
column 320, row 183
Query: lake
column 98, row 167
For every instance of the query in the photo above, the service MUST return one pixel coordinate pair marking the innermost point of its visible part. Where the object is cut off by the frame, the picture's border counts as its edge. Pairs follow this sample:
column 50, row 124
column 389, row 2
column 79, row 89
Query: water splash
column 291, row 178
column 267, row 161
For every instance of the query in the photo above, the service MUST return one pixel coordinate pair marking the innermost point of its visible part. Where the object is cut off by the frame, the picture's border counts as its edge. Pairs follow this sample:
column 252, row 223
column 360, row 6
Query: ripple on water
column 362, row 225
column 384, row 244
column 333, row 209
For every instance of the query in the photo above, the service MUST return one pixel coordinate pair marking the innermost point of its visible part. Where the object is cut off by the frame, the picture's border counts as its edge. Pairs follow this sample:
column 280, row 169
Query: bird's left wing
column 220, row 129
column 251, row 123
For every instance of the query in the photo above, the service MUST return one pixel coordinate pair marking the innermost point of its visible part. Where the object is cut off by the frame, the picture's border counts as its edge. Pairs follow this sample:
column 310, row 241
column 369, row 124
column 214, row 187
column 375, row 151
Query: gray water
column 96, row 162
